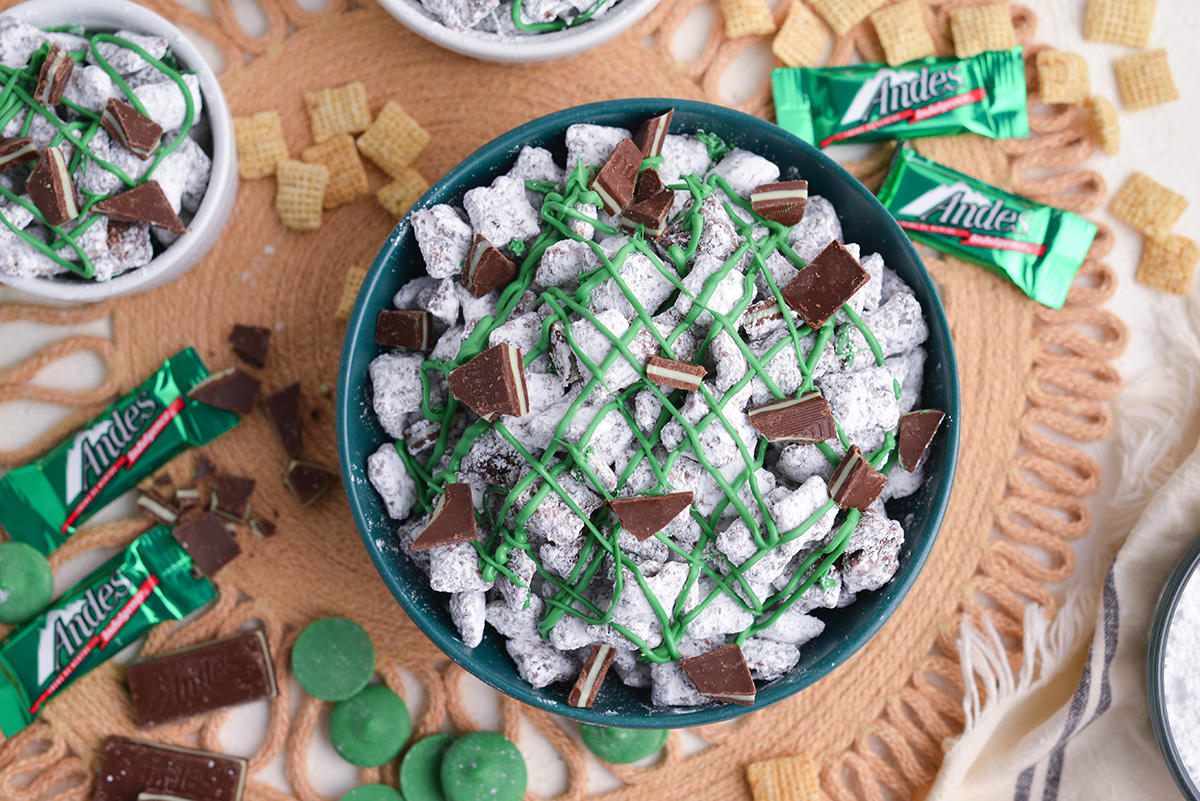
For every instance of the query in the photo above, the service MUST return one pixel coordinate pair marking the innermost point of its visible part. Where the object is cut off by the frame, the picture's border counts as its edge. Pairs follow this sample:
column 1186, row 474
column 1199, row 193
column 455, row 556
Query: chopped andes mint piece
column 825, row 284
column 145, row 203
column 651, row 213
column 855, row 484
column 486, row 268
column 231, row 496
column 646, row 515
column 157, row 508
column 208, row 542
column 649, row 184
column 404, row 329
column 261, row 527
column 132, row 768
column 251, row 343
column 229, row 389
column 916, row 432
column 722, row 675
column 493, row 383
column 781, row 202
column 204, row 467
column 617, row 179
column 52, row 79
column 187, row 498
column 282, row 409
column 308, row 481
column 674, row 374
column 591, row 676
column 16, row 150
column 803, row 419
column 51, row 189
column 164, row 480
column 140, row 135
column 453, row 520
column 652, row 134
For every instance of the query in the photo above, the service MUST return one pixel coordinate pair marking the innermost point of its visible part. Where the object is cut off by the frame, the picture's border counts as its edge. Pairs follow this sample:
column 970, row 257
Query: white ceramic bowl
column 218, row 202
column 535, row 47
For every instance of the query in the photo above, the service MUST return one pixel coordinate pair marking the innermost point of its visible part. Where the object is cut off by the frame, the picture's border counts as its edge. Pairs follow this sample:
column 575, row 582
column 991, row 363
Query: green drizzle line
column 601, row 527
column 553, row 25
column 16, row 96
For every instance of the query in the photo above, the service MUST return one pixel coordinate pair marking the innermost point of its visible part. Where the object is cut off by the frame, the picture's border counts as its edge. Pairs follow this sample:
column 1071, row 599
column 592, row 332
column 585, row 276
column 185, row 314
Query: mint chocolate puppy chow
column 104, row 150
column 677, row 415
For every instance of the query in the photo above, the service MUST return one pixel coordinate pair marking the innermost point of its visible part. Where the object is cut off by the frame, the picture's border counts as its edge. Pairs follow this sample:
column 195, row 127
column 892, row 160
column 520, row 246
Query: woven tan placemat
column 1031, row 378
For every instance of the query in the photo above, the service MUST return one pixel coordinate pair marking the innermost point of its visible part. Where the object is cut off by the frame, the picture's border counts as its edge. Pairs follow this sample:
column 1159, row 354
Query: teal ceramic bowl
column 864, row 221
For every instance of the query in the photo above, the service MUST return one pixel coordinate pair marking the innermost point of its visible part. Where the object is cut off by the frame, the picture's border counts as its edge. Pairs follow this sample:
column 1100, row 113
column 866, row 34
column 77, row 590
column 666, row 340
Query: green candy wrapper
column 1039, row 248
column 42, row 503
column 152, row 581
column 984, row 94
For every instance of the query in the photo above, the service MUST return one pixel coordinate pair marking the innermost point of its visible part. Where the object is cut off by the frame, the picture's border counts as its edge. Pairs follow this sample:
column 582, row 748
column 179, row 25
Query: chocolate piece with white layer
column 157, row 508
column 16, row 150
column 52, row 79
column 131, row 767
column 486, row 268
column 825, row 284
column 591, row 676
column 617, row 179
column 145, row 203
column 646, row 515
column 140, row 135
column 674, row 374
column 722, row 675
column 208, row 542
column 51, row 189
column 252, row 343
column 308, row 481
column 653, row 133
column 453, row 520
column 916, row 432
column 855, row 484
column 782, row 202
column 282, row 409
column 229, row 389
column 412, row 330
column 651, row 213
column 493, row 383
column 231, row 496
column 803, row 419
column 649, row 184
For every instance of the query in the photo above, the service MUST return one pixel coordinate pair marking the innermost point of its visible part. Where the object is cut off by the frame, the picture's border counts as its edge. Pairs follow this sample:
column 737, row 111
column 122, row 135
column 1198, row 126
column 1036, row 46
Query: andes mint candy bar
column 308, row 481
column 649, row 184
column 651, row 135
column 157, row 508
column 131, row 767
column 916, row 432
column 617, row 179
column 231, row 496
column 591, row 676
column 208, row 542
column 825, row 284
column 651, row 213
column 145, row 203
column 51, row 189
column 803, row 419
column 453, row 520
column 251, row 343
column 486, row 268
column 405, row 329
column 52, row 79
column 674, row 374
column 855, row 484
column 139, row 134
column 201, row 679
column 722, row 675
column 781, row 202
column 16, row 150
column 493, row 383
column 646, row 515
column 229, row 389
column 282, row 409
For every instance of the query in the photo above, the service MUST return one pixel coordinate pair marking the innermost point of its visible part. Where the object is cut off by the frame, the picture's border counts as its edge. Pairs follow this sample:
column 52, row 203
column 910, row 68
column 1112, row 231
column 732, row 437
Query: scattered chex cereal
column 1062, row 77
column 354, row 279
column 802, row 37
column 300, row 193
column 1148, row 206
column 347, row 178
column 1124, row 22
column 399, row 195
column 1105, row 125
column 340, row 109
column 260, row 144
column 1168, row 264
column 1144, row 80
column 902, row 32
column 794, row 778
column 747, row 18
column 976, row 29
column 842, row 15
column 393, row 140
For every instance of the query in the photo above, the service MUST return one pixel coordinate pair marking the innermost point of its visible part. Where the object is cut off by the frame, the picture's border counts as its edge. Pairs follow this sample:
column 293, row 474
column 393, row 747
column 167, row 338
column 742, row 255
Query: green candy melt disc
column 373, row 792
column 371, row 728
column 484, row 766
column 421, row 768
column 26, row 582
column 333, row 659
column 622, row 746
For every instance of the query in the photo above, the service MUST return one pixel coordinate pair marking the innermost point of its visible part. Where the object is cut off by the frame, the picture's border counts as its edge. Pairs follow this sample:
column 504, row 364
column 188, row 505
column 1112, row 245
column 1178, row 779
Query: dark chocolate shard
column 229, row 389
column 675, row 374
column 404, row 329
column 157, row 508
column 916, row 432
column 617, row 179
column 486, row 268
column 140, row 135
column 204, row 467
column 308, row 481
column 144, row 203
column 16, row 150
column 591, row 676
column 855, row 484
column 652, row 134
column 825, row 284
column 652, row 213
column 649, row 184
column 493, row 383
column 208, row 542
column 251, row 343
column 803, row 419
column 722, row 675
column 282, row 409
column 52, row 78
column 231, row 496
column 201, row 679
column 646, row 515
column 782, row 202
column 130, row 767
column 453, row 520
column 261, row 527
column 51, row 189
